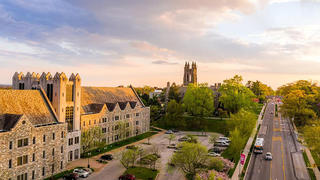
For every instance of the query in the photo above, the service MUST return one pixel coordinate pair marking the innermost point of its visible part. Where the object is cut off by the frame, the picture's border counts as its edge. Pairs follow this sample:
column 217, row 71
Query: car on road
column 127, row 177
column 71, row 176
column 108, row 157
column 214, row 154
column 169, row 132
column 81, row 173
column 268, row 156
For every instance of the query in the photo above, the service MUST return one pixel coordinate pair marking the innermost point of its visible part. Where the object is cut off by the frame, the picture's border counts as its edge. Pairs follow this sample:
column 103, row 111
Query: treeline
column 301, row 103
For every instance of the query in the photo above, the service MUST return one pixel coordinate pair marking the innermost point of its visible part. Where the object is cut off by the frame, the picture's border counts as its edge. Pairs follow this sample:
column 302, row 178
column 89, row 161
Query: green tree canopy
column 198, row 100
column 260, row 90
column 234, row 95
column 244, row 121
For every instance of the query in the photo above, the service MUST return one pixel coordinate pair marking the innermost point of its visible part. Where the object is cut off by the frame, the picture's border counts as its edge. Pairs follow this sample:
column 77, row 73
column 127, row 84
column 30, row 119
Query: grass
column 116, row 145
column 310, row 170
column 154, row 129
column 316, row 158
column 61, row 174
column 142, row 173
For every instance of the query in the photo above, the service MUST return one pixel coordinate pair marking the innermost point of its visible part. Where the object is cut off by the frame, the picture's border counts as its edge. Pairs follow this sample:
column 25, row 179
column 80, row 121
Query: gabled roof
column 111, row 96
column 30, row 103
column 8, row 121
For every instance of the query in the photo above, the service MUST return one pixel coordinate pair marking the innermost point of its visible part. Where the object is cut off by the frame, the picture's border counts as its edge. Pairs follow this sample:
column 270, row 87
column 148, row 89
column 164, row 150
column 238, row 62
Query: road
column 281, row 141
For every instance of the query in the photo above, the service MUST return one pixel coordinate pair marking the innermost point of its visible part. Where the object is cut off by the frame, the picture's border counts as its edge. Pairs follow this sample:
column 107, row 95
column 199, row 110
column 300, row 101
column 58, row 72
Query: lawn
column 310, row 170
column 142, row 173
column 115, row 145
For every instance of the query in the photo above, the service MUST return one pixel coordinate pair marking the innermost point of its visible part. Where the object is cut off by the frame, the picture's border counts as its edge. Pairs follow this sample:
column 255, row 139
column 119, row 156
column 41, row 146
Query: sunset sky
column 146, row 42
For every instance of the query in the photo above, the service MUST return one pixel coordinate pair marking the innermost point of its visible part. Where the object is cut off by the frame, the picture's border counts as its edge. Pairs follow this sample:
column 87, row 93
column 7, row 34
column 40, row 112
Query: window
column 89, row 122
column 23, row 142
column 21, row 85
column 22, row 160
column 61, row 165
column 95, row 121
column 52, row 151
column 33, row 157
column 10, row 145
column 70, row 141
column 10, row 163
column 137, row 122
column 69, row 93
column 104, row 120
column 33, row 174
column 116, row 137
column 69, row 117
column 43, row 154
column 22, row 176
column 76, row 140
column 52, row 168
column 43, row 171
column 34, row 140
column 44, row 138
column 104, row 130
column 53, row 136
column 61, row 149
column 116, row 127
column 84, row 123
column 50, row 91
column 62, row 134
column 127, row 116
column 137, row 114
column 127, row 124
column 116, row 118
column 76, row 154
column 70, row 155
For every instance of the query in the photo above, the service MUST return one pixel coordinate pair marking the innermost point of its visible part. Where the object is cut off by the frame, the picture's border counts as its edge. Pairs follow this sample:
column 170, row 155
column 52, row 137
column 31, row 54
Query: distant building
column 155, row 93
column 190, row 74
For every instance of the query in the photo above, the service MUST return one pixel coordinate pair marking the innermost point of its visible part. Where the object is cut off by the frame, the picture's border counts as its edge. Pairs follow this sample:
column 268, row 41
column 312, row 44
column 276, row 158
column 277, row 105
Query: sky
column 147, row 42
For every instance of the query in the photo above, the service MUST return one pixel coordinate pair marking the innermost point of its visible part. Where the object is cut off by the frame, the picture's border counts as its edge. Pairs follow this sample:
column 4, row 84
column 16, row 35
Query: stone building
column 32, row 140
column 64, row 95
column 190, row 74
column 118, row 111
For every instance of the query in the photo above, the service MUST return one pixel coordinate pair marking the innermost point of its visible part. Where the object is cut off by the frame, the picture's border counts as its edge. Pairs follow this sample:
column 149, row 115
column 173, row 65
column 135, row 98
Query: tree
column 216, row 164
column 173, row 117
column 260, row 90
column 244, row 121
column 91, row 137
column 127, row 157
column 213, row 138
column 312, row 136
column 237, row 143
column 234, row 95
column 171, row 137
column 191, row 158
column 86, row 140
column 192, row 138
column 198, row 100
column 174, row 93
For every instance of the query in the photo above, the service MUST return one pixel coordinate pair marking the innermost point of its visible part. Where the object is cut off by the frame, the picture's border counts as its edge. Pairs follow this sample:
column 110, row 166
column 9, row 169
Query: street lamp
column 89, row 153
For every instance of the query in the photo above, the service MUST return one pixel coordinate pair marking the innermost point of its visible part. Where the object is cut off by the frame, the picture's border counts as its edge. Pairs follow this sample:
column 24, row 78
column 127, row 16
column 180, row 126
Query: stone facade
column 190, row 74
column 65, row 97
column 32, row 140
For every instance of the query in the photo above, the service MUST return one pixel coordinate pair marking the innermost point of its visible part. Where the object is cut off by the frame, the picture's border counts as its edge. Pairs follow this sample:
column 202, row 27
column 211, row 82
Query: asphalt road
column 280, row 140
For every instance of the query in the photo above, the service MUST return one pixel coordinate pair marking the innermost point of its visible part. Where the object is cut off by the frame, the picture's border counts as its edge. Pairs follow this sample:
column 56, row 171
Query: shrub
column 216, row 164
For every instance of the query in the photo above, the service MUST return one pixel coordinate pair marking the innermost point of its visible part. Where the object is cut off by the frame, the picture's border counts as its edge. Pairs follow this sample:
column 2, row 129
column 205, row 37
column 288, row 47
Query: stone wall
column 24, row 129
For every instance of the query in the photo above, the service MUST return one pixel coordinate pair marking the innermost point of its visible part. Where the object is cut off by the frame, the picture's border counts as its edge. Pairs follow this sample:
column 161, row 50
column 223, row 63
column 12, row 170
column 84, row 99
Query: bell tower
column 190, row 74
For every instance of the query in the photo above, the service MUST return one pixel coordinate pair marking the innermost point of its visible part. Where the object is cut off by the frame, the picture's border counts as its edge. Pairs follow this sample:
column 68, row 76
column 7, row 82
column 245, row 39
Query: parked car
column 226, row 139
column 184, row 139
column 221, row 143
column 214, row 154
column 108, row 157
column 131, row 147
column 216, row 150
column 127, row 177
column 172, row 146
column 175, row 130
column 81, row 173
column 88, row 170
column 268, row 156
column 71, row 176
column 169, row 132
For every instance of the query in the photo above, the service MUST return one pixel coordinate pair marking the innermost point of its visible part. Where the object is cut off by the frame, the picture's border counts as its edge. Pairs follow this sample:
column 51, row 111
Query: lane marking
column 276, row 129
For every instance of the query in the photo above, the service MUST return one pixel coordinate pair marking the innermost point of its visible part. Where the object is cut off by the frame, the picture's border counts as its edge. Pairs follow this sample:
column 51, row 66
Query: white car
column 213, row 154
column 81, row 173
column 221, row 138
column 268, row 156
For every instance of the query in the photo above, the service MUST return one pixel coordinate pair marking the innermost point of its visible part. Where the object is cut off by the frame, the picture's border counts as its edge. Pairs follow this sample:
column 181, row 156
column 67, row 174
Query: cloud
column 164, row 62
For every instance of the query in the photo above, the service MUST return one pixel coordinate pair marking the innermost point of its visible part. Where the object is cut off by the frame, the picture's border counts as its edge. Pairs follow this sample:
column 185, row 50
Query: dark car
column 71, row 176
column 108, row 157
column 127, row 177
column 175, row 130
column 131, row 147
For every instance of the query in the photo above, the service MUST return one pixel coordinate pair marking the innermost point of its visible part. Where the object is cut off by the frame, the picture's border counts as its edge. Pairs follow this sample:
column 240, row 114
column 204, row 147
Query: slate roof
column 8, row 121
column 111, row 96
column 31, row 103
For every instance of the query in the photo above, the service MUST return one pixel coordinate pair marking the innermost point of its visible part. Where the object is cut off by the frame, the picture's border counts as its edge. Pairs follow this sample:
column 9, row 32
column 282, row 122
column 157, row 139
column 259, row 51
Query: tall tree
column 260, row 90
column 234, row 95
column 198, row 100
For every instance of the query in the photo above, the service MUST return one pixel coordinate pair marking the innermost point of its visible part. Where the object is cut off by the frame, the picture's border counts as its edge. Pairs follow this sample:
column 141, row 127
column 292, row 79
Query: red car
column 127, row 177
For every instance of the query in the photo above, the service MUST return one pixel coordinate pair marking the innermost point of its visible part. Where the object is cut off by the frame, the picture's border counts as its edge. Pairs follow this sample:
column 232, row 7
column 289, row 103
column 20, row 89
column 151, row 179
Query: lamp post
column 89, row 153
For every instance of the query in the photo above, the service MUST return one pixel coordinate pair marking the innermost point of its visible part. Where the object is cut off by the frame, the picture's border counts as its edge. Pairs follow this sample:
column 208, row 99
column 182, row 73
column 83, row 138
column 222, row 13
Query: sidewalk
column 246, row 150
column 99, row 166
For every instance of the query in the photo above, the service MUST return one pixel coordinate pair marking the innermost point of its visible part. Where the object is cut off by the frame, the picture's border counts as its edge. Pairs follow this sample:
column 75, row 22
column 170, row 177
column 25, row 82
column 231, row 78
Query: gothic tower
column 190, row 74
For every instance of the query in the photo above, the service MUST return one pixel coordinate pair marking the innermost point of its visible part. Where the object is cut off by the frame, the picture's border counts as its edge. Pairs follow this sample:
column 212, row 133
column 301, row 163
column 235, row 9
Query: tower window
column 69, row 93
column 69, row 117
